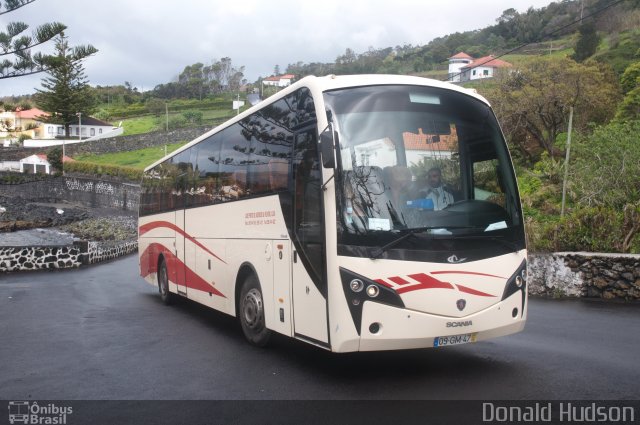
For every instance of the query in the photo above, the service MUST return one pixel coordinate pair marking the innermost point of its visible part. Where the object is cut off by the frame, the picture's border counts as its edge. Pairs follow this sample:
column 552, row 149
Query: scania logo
column 459, row 324
column 454, row 259
column 461, row 304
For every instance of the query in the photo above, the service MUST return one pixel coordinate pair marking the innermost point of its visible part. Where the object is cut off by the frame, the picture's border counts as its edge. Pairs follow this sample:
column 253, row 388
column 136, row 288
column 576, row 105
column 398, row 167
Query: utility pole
column 566, row 162
column 80, row 126
column 166, row 113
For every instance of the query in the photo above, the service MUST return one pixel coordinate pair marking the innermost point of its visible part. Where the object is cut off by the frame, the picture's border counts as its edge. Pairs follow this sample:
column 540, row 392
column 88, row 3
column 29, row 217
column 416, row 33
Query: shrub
column 100, row 170
column 592, row 229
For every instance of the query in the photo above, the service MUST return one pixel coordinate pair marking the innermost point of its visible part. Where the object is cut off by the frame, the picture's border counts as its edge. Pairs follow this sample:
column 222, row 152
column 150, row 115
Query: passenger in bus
column 400, row 183
column 436, row 191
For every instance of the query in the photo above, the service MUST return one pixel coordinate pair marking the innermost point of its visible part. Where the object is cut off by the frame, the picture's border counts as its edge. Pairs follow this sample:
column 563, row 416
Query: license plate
column 443, row 341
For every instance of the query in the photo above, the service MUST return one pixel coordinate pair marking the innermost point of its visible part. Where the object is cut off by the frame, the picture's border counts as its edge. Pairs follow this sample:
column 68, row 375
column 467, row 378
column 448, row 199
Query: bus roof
column 318, row 85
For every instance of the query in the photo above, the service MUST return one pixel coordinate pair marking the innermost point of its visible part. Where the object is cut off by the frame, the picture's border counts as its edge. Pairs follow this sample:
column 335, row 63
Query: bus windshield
column 424, row 160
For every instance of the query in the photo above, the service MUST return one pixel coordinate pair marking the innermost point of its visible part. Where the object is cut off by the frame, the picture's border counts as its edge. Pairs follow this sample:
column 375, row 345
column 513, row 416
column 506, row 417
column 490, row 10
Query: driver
column 435, row 190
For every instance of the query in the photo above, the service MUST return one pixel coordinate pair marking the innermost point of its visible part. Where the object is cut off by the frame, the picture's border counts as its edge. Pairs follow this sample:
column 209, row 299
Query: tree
column 533, row 102
column 54, row 156
column 606, row 175
column 630, row 78
column 587, row 42
column 15, row 46
column 629, row 109
column 66, row 91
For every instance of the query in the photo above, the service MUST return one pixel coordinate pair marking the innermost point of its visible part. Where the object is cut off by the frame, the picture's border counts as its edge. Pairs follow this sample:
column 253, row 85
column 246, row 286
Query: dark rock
column 593, row 292
column 600, row 282
column 621, row 284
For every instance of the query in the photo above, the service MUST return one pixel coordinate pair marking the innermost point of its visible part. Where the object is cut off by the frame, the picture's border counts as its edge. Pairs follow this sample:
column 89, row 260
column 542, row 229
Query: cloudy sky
column 149, row 42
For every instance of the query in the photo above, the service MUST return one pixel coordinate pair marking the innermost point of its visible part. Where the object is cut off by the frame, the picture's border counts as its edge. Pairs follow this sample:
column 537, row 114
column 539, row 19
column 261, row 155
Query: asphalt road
column 101, row 333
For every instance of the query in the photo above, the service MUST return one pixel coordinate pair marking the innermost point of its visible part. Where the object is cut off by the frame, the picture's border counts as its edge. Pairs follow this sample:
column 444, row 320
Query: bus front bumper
column 386, row 327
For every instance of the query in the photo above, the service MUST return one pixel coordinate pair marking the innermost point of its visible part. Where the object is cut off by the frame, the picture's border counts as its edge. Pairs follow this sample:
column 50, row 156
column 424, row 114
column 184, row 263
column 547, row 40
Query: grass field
column 148, row 123
column 140, row 125
column 136, row 159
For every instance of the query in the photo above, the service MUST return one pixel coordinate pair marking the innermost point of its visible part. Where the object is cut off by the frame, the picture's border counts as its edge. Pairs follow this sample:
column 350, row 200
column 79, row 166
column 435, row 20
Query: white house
column 88, row 126
column 456, row 62
column 482, row 68
column 463, row 67
column 38, row 164
column 29, row 122
column 279, row 80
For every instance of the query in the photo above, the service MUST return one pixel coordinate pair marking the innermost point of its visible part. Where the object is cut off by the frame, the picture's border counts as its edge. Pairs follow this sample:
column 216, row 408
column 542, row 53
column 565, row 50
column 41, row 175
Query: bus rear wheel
column 251, row 313
column 163, row 284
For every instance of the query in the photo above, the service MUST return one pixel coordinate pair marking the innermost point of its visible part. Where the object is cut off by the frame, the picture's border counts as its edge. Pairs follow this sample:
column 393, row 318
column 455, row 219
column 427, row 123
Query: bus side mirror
column 327, row 147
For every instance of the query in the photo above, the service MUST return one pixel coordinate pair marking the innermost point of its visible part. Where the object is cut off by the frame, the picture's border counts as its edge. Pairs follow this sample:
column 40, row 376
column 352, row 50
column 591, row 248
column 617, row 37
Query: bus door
column 183, row 170
column 308, row 282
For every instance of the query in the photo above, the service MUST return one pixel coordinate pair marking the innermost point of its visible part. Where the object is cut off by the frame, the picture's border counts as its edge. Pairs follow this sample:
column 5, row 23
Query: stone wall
column 113, row 144
column 103, row 251
column 31, row 258
column 578, row 274
column 40, row 257
column 93, row 193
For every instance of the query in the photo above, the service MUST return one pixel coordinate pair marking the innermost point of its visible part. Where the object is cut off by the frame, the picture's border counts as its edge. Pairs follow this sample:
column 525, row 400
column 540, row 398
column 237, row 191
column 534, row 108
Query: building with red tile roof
column 279, row 80
column 39, row 163
column 420, row 145
column 30, row 123
column 463, row 67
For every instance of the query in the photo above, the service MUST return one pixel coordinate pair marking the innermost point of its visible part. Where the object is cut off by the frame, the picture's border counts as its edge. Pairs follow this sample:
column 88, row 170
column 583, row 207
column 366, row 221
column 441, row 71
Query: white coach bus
column 356, row 213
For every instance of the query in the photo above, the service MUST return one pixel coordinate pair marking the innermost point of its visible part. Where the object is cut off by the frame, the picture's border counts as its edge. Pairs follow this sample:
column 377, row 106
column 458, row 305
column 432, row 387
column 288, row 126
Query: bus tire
column 163, row 283
column 251, row 312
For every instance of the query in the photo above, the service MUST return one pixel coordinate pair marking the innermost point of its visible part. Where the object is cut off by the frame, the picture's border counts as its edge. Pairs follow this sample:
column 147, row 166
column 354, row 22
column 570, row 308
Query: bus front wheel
column 163, row 283
column 252, row 313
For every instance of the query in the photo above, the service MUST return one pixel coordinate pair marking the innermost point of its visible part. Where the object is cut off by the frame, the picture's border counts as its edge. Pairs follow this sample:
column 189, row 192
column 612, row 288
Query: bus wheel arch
column 163, row 281
column 250, row 307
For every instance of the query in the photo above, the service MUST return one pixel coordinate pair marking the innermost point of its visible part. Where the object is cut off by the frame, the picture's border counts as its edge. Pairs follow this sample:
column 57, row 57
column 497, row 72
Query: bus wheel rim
column 252, row 308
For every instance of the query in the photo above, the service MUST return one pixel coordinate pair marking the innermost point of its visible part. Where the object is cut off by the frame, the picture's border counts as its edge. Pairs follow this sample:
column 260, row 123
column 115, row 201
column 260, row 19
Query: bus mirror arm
column 324, row 185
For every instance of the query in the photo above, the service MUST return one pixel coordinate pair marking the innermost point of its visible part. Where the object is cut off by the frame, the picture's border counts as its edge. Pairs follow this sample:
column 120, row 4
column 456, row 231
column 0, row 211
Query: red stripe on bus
column 471, row 273
column 473, row 291
column 431, row 282
column 383, row 283
column 399, row 280
column 158, row 224
column 426, row 282
column 175, row 267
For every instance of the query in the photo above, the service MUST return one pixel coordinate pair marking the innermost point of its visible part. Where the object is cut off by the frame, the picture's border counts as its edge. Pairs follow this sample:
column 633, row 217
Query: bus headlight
column 353, row 285
column 372, row 291
column 517, row 282
column 356, row 285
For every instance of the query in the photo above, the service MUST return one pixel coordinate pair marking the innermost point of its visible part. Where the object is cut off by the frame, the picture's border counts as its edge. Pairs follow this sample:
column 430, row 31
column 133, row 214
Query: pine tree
column 587, row 42
column 66, row 91
column 15, row 46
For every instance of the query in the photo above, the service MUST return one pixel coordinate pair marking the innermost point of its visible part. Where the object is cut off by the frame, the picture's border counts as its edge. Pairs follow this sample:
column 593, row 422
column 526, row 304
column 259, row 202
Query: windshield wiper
column 379, row 251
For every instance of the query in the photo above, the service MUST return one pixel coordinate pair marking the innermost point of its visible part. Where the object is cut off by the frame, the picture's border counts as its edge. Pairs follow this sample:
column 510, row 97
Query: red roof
column 280, row 77
column 44, row 158
column 461, row 55
column 489, row 62
column 424, row 142
column 31, row 113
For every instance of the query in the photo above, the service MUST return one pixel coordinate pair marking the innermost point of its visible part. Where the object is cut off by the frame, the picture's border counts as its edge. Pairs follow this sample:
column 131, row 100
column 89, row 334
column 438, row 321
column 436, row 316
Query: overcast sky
column 150, row 42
